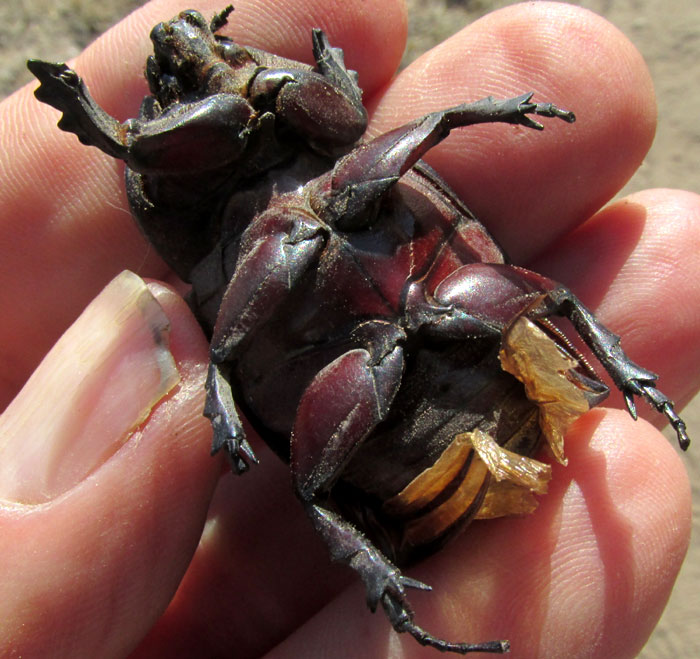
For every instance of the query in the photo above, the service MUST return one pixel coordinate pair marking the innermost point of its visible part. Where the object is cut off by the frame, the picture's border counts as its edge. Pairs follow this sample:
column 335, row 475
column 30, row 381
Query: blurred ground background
column 667, row 34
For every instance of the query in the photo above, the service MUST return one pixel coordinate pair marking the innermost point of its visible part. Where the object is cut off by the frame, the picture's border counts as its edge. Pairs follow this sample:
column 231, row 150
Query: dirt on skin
column 667, row 34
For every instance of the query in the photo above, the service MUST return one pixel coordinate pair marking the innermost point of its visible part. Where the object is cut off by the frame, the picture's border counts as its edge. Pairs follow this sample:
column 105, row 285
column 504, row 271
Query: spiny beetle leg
column 383, row 581
column 403, row 623
column 630, row 378
column 281, row 247
column 331, row 64
column 327, row 431
column 348, row 545
column 63, row 89
column 509, row 111
column 496, row 294
column 324, row 106
column 218, row 123
column 363, row 176
column 228, row 430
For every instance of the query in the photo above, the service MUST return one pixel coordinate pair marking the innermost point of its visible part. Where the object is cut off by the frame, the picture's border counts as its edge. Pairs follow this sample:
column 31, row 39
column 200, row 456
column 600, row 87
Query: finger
column 104, row 477
column 637, row 264
column 65, row 227
column 657, row 227
column 260, row 571
column 588, row 574
column 529, row 187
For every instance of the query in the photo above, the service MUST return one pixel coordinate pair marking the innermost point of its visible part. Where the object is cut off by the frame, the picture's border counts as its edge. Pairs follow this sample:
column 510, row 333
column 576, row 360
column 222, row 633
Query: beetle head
column 184, row 48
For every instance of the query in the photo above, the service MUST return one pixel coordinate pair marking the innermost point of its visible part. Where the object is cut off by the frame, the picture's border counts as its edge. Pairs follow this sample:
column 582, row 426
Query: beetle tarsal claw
column 551, row 110
column 408, row 582
column 525, row 108
column 402, row 622
column 680, row 428
column 246, row 449
column 631, row 405
column 662, row 404
column 676, row 422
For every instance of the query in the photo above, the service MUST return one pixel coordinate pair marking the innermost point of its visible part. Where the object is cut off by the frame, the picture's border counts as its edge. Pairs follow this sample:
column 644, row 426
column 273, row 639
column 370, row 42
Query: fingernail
column 97, row 384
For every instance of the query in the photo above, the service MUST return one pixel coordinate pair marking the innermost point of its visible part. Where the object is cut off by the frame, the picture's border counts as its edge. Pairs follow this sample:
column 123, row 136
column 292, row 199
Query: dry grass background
column 667, row 34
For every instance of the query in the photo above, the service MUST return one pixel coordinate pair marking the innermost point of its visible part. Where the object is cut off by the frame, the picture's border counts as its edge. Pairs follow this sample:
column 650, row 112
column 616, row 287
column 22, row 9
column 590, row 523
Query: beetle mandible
column 360, row 316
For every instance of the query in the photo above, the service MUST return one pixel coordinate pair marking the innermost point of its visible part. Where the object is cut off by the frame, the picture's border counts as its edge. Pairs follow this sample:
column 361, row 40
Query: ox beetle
column 360, row 316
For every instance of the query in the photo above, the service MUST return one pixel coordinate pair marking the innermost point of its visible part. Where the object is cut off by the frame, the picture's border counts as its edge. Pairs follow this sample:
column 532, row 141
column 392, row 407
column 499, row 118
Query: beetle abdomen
column 419, row 479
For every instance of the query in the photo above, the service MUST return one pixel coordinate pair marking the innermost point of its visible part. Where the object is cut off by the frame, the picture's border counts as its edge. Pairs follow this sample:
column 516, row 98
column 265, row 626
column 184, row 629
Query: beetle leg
column 325, row 107
column 228, row 430
column 219, row 124
column 363, row 176
column 383, row 581
column 330, row 63
column 630, row 378
column 343, row 404
column 313, row 106
column 63, row 89
column 493, row 295
column 278, row 255
column 220, row 19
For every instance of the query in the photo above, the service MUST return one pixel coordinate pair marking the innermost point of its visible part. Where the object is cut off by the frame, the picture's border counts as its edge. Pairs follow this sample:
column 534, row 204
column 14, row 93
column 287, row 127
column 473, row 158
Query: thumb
column 105, row 477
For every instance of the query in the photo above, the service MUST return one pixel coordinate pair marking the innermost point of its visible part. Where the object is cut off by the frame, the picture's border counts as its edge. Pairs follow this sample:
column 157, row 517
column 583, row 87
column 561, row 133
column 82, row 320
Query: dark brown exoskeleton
column 360, row 316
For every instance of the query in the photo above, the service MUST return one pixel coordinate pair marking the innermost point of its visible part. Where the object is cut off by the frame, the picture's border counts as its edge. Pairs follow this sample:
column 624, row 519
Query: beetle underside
column 360, row 316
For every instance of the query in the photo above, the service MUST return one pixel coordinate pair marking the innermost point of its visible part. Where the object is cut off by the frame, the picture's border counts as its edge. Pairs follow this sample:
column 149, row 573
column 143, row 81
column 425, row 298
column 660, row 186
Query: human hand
column 100, row 539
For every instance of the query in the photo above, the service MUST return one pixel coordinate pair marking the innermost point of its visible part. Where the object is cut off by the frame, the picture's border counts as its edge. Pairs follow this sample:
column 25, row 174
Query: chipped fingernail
column 97, row 384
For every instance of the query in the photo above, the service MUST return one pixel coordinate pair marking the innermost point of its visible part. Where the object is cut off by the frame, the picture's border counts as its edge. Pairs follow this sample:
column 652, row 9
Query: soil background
column 667, row 34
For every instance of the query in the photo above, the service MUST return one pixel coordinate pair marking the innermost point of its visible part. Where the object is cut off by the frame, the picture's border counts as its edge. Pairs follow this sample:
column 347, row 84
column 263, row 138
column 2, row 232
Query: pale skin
column 93, row 571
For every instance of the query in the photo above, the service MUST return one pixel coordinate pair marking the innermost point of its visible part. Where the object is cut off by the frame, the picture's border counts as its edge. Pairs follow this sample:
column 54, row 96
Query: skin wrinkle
column 578, row 592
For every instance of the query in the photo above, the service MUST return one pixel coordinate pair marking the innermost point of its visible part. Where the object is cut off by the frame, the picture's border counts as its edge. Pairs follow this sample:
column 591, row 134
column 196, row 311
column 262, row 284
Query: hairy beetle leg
column 221, row 19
